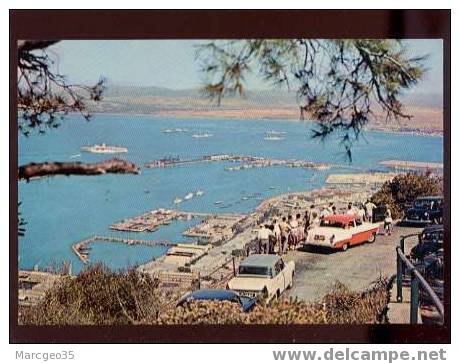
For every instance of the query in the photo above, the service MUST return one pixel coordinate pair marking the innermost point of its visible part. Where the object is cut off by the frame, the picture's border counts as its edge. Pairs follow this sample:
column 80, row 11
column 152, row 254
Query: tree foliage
column 403, row 189
column 44, row 95
column 336, row 81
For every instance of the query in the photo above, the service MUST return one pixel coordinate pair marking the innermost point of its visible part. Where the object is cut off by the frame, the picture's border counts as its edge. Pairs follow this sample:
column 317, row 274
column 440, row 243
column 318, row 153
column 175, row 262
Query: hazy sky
column 171, row 63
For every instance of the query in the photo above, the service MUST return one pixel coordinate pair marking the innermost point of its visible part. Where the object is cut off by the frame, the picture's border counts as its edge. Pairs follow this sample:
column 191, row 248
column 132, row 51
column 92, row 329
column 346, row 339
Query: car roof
column 431, row 197
column 260, row 260
column 340, row 218
column 218, row 294
column 433, row 228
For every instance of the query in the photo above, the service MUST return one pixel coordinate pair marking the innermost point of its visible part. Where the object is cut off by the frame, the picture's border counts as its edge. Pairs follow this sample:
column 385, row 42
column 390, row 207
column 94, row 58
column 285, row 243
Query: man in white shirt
column 369, row 210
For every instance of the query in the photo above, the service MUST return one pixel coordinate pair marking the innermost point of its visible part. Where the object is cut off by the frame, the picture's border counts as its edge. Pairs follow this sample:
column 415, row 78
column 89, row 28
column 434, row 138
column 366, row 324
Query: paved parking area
column 318, row 269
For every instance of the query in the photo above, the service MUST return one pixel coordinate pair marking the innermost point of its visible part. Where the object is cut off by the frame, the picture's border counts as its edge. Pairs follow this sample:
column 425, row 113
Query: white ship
column 199, row 193
column 104, row 149
column 177, row 200
column 201, row 135
column 218, row 202
column 270, row 135
column 170, row 131
column 188, row 196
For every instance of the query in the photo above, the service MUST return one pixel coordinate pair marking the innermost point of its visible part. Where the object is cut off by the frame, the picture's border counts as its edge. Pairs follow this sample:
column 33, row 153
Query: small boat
column 167, row 131
column 276, row 132
column 75, row 156
column 199, row 193
column 104, row 149
column 271, row 136
column 188, row 196
column 271, row 187
column 244, row 198
column 177, row 200
column 201, row 135
column 218, row 202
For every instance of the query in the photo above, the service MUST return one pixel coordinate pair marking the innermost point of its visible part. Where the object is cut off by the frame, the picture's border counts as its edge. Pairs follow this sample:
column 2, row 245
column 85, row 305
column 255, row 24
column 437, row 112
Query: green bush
column 340, row 306
column 404, row 189
column 97, row 296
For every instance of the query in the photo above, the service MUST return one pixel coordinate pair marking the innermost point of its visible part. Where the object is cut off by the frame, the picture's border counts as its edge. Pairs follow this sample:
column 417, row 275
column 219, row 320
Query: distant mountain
column 263, row 97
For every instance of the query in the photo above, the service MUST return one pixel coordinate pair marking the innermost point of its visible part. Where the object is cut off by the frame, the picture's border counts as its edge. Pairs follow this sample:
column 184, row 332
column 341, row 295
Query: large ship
column 104, row 149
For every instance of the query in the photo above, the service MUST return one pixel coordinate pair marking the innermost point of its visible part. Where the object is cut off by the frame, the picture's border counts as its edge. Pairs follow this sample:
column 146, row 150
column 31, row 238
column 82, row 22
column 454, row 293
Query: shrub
column 404, row 189
column 340, row 306
column 97, row 296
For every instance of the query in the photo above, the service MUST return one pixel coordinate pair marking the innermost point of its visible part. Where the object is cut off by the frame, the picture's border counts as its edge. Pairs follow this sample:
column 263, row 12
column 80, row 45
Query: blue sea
column 60, row 211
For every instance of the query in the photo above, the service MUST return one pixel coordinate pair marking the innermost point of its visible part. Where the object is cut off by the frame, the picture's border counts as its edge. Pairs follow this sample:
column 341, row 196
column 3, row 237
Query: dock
column 406, row 165
column 81, row 248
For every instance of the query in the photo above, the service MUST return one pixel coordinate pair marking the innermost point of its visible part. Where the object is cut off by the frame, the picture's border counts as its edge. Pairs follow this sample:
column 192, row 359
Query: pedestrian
column 262, row 237
column 387, row 221
column 271, row 240
column 361, row 214
column 277, row 234
column 350, row 210
column 310, row 212
column 369, row 206
column 284, row 227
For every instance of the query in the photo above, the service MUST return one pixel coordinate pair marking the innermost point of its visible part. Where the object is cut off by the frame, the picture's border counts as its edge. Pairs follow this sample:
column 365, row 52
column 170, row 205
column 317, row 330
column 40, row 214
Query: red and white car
column 340, row 231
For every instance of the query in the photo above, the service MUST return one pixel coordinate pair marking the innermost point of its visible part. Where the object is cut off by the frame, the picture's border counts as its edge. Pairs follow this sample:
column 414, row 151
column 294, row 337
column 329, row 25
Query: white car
column 342, row 231
column 263, row 276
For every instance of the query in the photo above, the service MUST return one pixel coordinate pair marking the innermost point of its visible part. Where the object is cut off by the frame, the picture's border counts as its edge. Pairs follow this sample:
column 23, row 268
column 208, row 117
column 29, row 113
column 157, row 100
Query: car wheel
column 292, row 281
column 265, row 295
column 345, row 247
column 371, row 238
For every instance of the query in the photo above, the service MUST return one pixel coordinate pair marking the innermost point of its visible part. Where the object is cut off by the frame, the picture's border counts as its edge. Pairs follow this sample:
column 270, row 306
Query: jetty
column 152, row 220
column 413, row 165
column 81, row 248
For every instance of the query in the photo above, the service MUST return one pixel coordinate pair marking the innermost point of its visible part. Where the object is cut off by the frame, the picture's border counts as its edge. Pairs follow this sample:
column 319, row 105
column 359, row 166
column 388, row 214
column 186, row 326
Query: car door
column 280, row 279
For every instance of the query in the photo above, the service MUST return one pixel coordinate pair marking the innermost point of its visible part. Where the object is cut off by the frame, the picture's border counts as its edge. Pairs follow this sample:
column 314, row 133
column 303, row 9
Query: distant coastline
column 375, row 128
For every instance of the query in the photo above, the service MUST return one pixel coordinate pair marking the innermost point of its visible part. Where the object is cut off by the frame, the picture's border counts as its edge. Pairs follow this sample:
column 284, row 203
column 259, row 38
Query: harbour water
column 63, row 210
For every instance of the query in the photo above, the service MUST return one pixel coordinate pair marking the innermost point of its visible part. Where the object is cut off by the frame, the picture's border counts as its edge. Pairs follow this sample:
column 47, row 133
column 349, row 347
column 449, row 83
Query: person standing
column 388, row 221
column 284, row 227
column 262, row 238
column 277, row 234
column 351, row 210
column 369, row 206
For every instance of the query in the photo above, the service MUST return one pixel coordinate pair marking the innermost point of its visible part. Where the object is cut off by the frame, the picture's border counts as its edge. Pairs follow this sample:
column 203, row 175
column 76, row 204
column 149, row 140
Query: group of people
column 286, row 233
column 282, row 234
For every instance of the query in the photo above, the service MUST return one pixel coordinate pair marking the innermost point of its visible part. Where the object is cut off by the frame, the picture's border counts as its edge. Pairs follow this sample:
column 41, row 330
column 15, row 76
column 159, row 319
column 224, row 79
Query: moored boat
column 104, row 149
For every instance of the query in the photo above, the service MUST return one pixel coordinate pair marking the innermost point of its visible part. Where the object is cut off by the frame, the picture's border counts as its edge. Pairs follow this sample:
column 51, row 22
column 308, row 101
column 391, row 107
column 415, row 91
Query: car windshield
column 254, row 270
column 432, row 236
column 335, row 224
column 425, row 203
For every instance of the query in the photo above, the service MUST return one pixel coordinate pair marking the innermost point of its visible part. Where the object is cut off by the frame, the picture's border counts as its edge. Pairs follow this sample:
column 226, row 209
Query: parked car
column 425, row 210
column 246, row 303
column 340, row 231
column 431, row 240
column 263, row 277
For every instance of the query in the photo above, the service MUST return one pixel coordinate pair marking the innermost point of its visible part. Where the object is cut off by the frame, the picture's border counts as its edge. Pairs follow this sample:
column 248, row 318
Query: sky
column 171, row 63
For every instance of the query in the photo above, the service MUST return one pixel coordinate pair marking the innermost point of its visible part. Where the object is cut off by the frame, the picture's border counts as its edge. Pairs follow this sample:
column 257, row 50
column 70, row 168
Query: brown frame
column 205, row 24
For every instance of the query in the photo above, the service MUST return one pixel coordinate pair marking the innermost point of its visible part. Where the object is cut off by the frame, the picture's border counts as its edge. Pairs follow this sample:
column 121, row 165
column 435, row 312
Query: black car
column 431, row 240
column 245, row 303
column 425, row 210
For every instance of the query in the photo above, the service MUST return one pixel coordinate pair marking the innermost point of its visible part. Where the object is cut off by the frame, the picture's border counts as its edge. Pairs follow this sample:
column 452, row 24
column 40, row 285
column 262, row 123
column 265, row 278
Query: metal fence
column 417, row 281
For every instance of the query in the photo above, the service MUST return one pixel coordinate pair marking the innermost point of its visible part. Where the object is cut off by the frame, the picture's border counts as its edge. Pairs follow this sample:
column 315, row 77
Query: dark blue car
column 246, row 303
column 425, row 210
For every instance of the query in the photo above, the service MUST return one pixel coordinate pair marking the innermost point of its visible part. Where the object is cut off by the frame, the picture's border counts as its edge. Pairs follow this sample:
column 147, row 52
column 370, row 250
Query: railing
column 417, row 281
